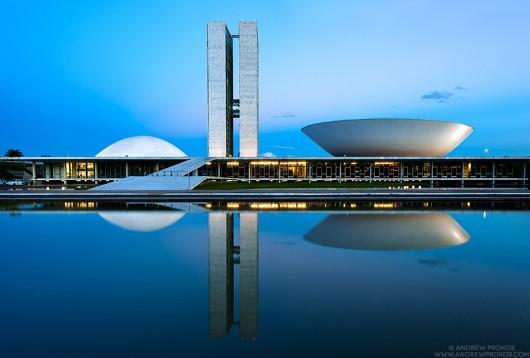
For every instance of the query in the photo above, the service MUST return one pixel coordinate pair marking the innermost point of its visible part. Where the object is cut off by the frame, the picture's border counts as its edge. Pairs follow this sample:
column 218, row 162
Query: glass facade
column 428, row 172
column 419, row 173
column 111, row 170
column 100, row 169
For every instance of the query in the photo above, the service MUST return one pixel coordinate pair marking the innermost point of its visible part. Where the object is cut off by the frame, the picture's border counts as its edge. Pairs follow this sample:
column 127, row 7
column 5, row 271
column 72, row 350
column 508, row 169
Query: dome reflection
column 142, row 221
column 388, row 231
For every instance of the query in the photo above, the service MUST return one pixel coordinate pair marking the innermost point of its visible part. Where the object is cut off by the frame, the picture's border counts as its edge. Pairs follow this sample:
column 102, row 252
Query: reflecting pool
column 308, row 279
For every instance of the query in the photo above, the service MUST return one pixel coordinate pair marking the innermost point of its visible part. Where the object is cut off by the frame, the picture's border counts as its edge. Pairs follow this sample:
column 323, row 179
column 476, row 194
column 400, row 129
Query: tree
column 14, row 153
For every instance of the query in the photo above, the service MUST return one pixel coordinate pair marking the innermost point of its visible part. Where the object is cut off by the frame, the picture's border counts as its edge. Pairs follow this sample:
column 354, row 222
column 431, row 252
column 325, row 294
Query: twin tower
column 223, row 108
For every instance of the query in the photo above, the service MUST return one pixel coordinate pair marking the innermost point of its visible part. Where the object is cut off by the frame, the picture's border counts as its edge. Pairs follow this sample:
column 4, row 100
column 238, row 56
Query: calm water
column 262, row 279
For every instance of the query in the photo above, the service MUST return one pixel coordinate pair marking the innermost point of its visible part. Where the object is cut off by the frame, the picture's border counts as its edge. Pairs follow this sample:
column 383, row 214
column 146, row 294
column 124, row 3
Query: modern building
column 382, row 151
column 425, row 172
column 223, row 108
column 133, row 156
column 382, row 137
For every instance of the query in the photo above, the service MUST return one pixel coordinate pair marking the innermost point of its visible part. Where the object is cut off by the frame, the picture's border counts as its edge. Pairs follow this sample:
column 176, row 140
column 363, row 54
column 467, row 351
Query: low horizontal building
column 487, row 172
column 499, row 172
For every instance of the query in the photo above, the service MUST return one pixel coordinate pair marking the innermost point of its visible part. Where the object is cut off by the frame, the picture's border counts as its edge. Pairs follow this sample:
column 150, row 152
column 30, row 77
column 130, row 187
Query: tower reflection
column 223, row 255
column 388, row 231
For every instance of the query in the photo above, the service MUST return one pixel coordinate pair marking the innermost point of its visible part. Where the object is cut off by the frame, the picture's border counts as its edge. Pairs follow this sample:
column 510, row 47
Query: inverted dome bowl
column 386, row 137
column 389, row 231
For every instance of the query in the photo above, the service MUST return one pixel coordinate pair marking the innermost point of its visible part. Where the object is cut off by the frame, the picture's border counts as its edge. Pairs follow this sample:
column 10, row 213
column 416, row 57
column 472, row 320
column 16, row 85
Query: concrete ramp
column 184, row 206
column 153, row 183
column 172, row 178
column 183, row 168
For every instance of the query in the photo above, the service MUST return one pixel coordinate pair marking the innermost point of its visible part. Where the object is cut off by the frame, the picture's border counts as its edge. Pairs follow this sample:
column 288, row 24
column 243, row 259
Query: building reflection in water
column 388, row 231
column 142, row 220
column 362, row 230
column 223, row 255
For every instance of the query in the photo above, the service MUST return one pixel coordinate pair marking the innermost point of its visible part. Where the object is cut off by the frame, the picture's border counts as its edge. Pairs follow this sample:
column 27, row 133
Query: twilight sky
column 76, row 76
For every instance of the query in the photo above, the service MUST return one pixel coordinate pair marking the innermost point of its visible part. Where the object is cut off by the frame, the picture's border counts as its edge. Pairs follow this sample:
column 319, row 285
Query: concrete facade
column 222, row 107
column 248, row 89
column 220, row 90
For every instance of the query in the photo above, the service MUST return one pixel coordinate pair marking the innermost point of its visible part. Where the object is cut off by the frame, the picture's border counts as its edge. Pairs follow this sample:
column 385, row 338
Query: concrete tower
column 220, row 90
column 248, row 88
column 222, row 107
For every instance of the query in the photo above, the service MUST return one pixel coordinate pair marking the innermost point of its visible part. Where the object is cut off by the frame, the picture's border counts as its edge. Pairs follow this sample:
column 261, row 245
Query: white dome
column 141, row 147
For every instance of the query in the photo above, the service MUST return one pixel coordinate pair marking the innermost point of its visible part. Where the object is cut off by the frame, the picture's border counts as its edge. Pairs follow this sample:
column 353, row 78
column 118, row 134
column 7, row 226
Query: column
column 401, row 173
column 493, row 168
column 525, row 182
column 432, row 174
column 126, row 169
column 463, row 169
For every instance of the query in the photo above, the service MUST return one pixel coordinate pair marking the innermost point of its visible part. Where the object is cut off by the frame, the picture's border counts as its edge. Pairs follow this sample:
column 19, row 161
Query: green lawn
column 212, row 185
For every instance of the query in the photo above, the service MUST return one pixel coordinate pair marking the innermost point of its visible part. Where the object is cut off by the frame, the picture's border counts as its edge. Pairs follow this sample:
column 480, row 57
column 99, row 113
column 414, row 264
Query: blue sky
column 76, row 76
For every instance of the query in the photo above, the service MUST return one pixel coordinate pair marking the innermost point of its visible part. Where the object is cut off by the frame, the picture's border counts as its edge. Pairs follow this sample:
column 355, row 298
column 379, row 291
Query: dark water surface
column 263, row 279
